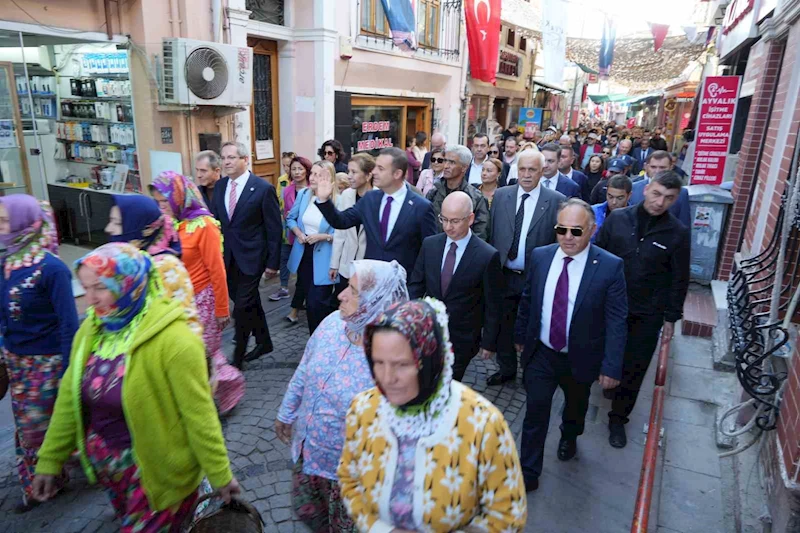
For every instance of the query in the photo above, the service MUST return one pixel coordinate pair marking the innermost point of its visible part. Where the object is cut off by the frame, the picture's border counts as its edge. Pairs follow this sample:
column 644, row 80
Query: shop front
column 678, row 102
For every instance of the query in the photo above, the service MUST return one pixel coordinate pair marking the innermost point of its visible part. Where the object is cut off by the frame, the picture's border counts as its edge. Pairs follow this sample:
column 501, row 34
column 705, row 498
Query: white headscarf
column 380, row 284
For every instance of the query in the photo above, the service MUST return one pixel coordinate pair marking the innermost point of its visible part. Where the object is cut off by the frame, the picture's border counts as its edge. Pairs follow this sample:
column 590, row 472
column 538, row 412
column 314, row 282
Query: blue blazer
column 322, row 250
column 583, row 182
column 598, row 330
column 680, row 208
column 567, row 187
column 415, row 222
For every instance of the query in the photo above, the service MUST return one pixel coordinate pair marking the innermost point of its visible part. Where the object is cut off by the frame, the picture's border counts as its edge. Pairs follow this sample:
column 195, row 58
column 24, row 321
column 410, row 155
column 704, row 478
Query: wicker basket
column 3, row 380
column 239, row 516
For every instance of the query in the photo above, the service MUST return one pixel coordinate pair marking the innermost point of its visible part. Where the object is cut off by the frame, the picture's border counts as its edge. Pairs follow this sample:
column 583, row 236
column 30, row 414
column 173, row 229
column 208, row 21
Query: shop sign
column 530, row 114
column 754, row 70
column 735, row 12
column 714, row 126
column 374, row 144
column 508, row 64
column 592, row 78
column 372, row 127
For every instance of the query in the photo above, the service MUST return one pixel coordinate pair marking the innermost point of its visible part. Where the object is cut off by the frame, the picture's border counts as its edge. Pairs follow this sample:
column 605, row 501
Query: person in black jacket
column 655, row 248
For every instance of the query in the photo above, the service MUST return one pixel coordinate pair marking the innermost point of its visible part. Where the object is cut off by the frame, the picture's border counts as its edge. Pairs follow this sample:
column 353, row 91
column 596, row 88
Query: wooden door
column 265, row 111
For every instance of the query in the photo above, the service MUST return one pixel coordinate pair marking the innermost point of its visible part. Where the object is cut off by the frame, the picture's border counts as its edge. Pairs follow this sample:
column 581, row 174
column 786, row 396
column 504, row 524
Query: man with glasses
column 250, row 217
column 572, row 288
column 456, row 162
column 464, row 272
column 522, row 218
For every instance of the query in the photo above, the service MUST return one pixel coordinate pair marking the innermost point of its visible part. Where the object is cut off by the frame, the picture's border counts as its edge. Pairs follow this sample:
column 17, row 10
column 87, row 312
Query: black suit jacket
column 474, row 297
column 415, row 222
column 252, row 237
column 598, row 329
column 426, row 161
column 637, row 154
column 583, row 182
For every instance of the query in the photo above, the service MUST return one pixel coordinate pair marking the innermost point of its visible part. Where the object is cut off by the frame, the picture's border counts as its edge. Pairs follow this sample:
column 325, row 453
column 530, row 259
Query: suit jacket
column 322, row 250
column 253, row 236
column 640, row 156
column 540, row 231
column 658, row 143
column 426, row 161
column 474, row 297
column 415, row 222
column 598, row 330
column 208, row 195
column 583, row 182
column 680, row 208
column 567, row 187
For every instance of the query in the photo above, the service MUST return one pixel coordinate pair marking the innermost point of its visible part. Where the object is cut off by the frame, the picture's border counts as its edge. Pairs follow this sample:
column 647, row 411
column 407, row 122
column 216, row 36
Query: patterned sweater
column 467, row 474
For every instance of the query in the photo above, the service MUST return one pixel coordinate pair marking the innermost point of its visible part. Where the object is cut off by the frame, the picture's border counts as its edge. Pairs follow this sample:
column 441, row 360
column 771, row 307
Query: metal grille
column 206, row 73
column 262, row 97
column 168, row 85
column 266, row 10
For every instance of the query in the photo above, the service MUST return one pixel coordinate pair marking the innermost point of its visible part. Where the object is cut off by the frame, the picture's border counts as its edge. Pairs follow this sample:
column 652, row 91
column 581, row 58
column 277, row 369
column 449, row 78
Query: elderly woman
column 312, row 249
column 201, row 243
column 423, row 452
column 37, row 321
column 135, row 399
column 429, row 176
column 333, row 370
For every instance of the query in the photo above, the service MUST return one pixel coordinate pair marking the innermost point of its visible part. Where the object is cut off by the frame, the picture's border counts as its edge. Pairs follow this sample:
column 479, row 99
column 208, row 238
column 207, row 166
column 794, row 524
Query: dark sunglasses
column 437, row 160
column 562, row 230
column 329, row 153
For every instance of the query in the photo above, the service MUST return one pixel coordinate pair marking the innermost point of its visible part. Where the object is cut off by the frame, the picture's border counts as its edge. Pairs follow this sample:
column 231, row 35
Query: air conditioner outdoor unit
column 205, row 73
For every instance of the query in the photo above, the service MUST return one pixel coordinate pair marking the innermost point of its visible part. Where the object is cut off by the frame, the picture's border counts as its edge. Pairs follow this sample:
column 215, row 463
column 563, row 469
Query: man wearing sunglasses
column 654, row 245
column 570, row 332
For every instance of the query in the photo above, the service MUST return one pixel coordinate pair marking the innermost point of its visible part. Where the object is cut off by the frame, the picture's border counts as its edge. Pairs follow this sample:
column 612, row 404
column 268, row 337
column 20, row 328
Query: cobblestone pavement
column 260, row 461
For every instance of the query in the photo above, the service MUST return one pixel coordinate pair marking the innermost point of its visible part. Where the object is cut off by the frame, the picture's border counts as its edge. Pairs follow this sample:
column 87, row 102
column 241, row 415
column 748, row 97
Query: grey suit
column 501, row 234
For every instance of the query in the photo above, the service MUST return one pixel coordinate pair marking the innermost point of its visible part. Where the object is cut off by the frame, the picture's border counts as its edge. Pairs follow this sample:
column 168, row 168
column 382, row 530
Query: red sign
column 715, row 121
column 735, row 12
column 374, row 144
column 592, row 78
column 483, row 37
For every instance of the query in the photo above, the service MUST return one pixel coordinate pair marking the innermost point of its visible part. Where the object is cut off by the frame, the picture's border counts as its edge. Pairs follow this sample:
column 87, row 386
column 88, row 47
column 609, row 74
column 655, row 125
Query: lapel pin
column 252, row 189
column 594, row 262
column 411, row 202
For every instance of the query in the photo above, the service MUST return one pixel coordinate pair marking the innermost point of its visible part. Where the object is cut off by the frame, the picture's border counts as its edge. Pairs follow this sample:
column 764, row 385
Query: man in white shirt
column 480, row 149
column 510, row 154
column 570, row 331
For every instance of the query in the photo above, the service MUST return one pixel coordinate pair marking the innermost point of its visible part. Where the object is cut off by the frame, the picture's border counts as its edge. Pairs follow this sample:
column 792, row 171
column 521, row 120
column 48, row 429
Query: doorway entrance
column 265, row 111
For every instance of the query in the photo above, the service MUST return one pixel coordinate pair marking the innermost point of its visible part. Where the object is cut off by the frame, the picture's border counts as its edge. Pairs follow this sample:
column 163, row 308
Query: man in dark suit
column 565, row 162
column 658, row 162
column 248, row 210
column 570, row 332
column 396, row 219
column 207, row 173
column 552, row 178
column 522, row 218
column 641, row 153
column 657, row 142
column 464, row 272
column 438, row 142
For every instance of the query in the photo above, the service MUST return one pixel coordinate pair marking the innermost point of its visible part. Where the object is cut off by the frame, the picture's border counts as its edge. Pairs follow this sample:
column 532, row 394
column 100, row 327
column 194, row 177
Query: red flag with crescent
column 483, row 37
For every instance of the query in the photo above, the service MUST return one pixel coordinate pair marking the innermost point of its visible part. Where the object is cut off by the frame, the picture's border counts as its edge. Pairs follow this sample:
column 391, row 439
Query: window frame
column 371, row 28
column 429, row 6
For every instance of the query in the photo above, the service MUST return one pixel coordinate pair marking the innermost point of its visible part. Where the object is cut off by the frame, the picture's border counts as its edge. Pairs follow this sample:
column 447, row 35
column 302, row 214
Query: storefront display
column 371, row 123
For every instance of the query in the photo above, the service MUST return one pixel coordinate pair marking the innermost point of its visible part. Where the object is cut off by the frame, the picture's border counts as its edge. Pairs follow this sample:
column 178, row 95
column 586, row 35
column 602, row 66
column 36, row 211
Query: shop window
column 429, row 12
column 266, row 10
column 262, row 97
column 512, row 38
column 376, row 127
column 373, row 18
column 523, row 44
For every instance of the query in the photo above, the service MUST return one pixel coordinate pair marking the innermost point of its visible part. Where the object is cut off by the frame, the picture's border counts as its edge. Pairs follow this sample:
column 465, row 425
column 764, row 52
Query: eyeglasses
column 494, row 152
column 437, row 159
column 562, row 230
column 606, row 152
column 329, row 153
column 453, row 221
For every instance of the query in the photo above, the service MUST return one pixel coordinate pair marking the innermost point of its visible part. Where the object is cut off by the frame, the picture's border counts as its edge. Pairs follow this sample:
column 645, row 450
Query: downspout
column 174, row 18
column 216, row 20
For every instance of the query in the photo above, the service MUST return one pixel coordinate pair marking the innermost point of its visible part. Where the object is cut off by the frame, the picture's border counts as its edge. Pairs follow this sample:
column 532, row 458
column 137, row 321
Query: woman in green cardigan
column 135, row 399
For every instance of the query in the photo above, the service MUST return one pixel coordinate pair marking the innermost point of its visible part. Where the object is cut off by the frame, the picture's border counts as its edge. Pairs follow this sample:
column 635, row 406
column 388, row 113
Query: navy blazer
column 641, row 157
column 583, row 182
column 680, row 208
column 598, row 329
column 253, row 236
column 415, row 222
column 566, row 186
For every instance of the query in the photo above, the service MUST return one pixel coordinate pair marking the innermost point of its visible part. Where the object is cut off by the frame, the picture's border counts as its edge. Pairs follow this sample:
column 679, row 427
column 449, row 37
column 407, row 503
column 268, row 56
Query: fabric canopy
column 604, row 98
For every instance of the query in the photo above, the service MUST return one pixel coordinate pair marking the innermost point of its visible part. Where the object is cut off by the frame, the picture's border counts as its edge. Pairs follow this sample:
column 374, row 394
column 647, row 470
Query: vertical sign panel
column 714, row 127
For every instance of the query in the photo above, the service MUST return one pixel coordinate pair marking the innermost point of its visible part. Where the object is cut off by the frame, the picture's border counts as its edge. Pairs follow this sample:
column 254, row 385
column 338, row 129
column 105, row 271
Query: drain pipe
column 216, row 20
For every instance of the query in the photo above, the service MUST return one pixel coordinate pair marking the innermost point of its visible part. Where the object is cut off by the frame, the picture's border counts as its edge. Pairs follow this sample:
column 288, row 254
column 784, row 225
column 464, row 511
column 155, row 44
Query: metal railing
column 644, row 495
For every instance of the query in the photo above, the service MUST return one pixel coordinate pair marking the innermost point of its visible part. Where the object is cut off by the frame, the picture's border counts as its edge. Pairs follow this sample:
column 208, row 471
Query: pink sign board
column 714, row 127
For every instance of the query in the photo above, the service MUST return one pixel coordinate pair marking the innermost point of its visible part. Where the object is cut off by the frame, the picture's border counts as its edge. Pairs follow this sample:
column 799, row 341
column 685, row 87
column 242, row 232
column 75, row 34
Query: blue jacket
column 583, row 182
column 322, row 250
column 680, row 208
column 599, row 217
column 598, row 330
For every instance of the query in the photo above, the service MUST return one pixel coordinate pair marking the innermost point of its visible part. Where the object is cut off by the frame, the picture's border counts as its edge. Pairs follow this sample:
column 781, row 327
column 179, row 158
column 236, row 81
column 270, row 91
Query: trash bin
column 708, row 208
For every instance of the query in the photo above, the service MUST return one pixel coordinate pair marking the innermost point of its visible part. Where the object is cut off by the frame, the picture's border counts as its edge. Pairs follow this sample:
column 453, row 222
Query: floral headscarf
column 144, row 226
column 33, row 232
column 125, row 271
column 183, row 196
column 424, row 324
column 380, row 285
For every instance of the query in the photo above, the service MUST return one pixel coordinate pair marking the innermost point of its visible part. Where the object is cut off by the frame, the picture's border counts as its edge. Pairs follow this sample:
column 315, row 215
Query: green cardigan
column 175, row 430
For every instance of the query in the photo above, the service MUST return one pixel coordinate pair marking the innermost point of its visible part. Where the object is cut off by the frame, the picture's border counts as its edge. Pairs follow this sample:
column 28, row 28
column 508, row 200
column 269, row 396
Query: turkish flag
column 483, row 37
column 659, row 32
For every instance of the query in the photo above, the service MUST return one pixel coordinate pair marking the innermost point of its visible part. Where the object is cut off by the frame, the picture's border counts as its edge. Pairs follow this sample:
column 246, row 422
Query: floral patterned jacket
column 467, row 474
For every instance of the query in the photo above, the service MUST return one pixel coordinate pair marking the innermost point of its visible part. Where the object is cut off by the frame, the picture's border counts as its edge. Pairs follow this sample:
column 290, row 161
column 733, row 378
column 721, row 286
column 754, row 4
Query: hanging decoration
column 483, row 37
column 554, row 40
column 402, row 22
column 690, row 32
column 606, row 52
column 710, row 35
column 659, row 32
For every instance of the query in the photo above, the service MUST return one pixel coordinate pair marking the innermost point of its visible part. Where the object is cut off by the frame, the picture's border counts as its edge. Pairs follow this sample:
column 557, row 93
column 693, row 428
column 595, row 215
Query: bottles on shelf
column 99, row 87
column 80, row 152
column 110, row 111
column 101, row 133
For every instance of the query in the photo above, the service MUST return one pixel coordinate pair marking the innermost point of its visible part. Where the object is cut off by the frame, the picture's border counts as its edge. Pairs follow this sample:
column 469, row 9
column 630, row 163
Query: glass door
column 14, row 173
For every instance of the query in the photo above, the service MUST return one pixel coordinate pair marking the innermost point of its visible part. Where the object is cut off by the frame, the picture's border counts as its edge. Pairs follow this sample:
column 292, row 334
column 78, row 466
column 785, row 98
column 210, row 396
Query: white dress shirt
column 398, row 197
column 530, row 207
column 475, row 170
column 241, row 181
column 575, row 271
column 550, row 183
column 569, row 175
column 461, row 245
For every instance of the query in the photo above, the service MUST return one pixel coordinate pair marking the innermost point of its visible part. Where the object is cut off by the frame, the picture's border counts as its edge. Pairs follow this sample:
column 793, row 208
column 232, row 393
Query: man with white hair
column 464, row 272
column 523, row 217
column 457, row 160
column 438, row 142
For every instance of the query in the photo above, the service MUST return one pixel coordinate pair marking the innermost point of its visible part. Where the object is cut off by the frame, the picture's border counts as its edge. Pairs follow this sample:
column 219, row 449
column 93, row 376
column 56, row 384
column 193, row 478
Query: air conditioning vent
column 169, row 71
column 206, row 73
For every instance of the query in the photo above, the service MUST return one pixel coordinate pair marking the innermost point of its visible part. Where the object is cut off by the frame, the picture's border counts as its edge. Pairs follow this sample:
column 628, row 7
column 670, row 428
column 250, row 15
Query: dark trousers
column 463, row 355
column 318, row 297
column 545, row 371
column 339, row 288
column 248, row 314
column 506, row 353
column 642, row 341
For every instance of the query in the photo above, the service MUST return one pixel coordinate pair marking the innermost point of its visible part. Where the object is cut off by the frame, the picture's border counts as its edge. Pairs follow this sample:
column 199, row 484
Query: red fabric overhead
column 483, row 37
column 659, row 32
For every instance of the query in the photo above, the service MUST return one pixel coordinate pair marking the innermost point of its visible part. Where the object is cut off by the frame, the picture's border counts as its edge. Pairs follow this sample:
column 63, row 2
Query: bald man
column 464, row 272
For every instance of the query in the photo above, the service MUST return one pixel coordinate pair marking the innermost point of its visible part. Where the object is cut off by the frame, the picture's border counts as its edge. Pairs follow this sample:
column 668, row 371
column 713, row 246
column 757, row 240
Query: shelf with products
column 97, row 162
column 95, row 98
column 93, row 120
column 96, row 143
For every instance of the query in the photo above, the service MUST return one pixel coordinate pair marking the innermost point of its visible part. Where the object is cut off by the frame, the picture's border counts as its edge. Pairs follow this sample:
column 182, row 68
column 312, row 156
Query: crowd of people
column 423, row 261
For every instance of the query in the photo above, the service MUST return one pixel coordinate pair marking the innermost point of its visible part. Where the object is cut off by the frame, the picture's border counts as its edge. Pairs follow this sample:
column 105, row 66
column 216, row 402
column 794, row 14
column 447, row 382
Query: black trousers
column 642, row 341
column 339, row 289
column 248, row 314
column 318, row 297
column 506, row 353
column 546, row 370
column 463, row 355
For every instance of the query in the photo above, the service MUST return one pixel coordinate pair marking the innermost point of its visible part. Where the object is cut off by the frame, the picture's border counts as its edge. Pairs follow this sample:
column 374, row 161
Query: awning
column 549, row 86
column 636, row 99
column 586, row 69
column 605, row 98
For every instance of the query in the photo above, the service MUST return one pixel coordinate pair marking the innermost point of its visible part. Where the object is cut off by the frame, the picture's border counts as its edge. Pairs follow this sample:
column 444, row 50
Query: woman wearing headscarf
column 333, row 370
column 135, row 398
column 201, row 244
column 423, row 452
column 38, row 320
